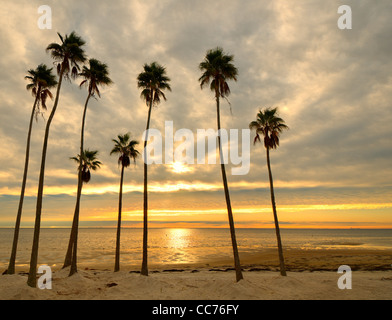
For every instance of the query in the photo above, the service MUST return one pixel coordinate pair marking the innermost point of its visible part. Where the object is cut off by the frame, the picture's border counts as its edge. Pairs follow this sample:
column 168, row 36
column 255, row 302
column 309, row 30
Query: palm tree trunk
column 228, row 202
column 144, row 270
column 11, row 265
column 32, row 278
column 117, row 259
column 71, row 256
column 280, row 248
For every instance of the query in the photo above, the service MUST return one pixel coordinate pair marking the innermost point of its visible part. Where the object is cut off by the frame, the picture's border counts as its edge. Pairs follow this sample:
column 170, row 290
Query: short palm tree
column 95, row 75
column 153, row 81
column 270, row 126
column 217, row 69
column 41, row 81
column 125, row 147
column 86, row 163
column 68, row 55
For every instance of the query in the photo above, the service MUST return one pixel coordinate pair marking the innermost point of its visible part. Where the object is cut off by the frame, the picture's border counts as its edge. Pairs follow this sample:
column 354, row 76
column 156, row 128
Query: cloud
column 332, row 87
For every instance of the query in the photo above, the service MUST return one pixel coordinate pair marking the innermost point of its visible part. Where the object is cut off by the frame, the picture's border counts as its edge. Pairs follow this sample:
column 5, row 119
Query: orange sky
column 332, row 87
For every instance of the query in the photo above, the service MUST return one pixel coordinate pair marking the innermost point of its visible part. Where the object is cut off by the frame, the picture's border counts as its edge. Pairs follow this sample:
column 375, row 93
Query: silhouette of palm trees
column 67, row 55
column 153, row 81
column 95, row 75
column 125, row 147
column 270, row 126
column 218, row 68
column 41, row 81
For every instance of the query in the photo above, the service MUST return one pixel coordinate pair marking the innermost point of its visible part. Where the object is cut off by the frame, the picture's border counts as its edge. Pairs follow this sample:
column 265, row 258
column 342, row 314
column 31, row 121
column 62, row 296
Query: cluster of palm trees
column 217, row 69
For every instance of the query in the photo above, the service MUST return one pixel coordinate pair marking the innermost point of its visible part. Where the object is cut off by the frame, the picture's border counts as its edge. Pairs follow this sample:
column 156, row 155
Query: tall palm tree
column 270, row 126
column 153, row 81
column 218, row 68
column 67, row 55
column 41, row 81
column 126, row 149
column 95, row 75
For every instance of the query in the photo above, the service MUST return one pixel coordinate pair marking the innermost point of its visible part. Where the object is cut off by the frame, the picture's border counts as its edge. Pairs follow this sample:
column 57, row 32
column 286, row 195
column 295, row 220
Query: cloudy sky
column 332, row 86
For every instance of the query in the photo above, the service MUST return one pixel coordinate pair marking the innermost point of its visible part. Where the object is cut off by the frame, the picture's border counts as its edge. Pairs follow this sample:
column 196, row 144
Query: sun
column 179, row 167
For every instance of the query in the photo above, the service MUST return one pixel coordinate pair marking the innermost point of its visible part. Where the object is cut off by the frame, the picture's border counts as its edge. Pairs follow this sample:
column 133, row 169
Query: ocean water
column 179, row 246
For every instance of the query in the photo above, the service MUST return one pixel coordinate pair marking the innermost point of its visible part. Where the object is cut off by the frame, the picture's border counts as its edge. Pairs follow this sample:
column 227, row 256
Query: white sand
column 202, row 285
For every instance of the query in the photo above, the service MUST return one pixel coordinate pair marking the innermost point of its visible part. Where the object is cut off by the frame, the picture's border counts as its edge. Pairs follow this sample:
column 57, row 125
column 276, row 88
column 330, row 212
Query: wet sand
column 296, row 260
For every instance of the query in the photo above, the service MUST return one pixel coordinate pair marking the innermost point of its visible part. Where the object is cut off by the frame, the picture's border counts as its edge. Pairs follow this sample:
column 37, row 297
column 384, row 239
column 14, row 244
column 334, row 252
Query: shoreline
column 296, row 260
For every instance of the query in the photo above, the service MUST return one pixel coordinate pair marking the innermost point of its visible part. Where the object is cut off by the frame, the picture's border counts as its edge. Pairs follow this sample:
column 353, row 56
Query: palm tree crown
column 217, row 68
column 126, row 149
column 153, row 81
column 68, row 54
column 270, row 126
column 96, row 75
column 41, row 81
column 89, row 162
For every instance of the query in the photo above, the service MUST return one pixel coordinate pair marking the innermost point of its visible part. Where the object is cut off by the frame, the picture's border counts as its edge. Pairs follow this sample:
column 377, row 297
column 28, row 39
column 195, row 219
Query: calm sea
column 179, row 246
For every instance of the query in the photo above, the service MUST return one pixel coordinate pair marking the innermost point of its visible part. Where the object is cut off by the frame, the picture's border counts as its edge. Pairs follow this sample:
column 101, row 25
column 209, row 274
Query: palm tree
column 94, row 76
column 153, row 81
column 269, row 125
column 67, row 55
column 217, row 69
column 87, row 162
column 41, row 81
column 126, row 149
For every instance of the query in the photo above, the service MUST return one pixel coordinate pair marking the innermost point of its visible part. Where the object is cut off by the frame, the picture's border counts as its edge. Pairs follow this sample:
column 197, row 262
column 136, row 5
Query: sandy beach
column 312, row 275
column 202, row 285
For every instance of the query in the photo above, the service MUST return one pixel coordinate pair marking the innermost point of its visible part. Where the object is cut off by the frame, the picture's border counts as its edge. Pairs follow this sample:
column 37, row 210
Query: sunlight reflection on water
column 180, row 246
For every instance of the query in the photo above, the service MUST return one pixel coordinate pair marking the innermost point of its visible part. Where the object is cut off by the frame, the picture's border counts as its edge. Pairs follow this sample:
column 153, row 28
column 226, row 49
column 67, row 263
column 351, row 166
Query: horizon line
column 206, row 227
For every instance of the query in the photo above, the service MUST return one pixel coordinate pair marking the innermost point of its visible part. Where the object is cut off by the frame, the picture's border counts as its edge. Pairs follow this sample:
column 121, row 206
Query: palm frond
column 89, row 162
column 270, row 125
column 41, row 81
column 126, row 148
column 217, row 68
column 95, row 75
column 68, row 54
column 153, row 80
